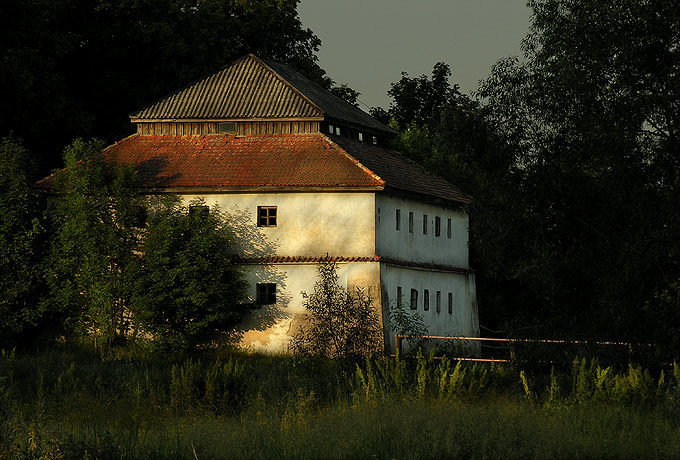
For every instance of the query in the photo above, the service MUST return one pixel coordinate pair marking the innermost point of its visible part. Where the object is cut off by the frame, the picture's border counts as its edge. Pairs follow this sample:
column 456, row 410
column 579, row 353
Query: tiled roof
column 285, row 161
column 251, row 87
column 221, row 161
column 398, row 172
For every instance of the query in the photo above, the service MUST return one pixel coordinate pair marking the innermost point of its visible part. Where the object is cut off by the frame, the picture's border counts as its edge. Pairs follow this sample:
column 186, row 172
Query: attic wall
column 242, row 128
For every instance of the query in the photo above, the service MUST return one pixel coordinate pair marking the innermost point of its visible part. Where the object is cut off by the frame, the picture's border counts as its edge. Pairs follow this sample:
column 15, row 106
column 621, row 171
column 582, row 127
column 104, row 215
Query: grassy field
column 73, row 405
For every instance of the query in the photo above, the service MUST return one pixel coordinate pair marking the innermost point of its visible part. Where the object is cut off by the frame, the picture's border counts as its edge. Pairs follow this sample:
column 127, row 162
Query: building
column 302, row 174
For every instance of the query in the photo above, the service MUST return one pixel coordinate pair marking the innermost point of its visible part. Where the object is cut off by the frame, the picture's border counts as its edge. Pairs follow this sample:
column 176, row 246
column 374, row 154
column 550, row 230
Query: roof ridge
column 289, row 84
column 354, row 160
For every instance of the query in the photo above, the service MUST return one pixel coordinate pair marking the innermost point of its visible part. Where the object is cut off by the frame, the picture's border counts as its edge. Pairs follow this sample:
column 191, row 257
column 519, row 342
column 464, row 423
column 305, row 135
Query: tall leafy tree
column 588, row 229
column 22, row 248
column 190, row 286
column 93, row 262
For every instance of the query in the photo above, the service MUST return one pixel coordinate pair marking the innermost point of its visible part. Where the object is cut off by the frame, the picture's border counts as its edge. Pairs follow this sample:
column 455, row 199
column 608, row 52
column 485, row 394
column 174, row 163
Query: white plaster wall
column 416, row 247
column 268, row 328
column 463, row 321
column 308, row 224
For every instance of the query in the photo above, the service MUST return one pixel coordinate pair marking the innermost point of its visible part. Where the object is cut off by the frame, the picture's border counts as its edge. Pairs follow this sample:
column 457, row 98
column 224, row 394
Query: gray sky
column 368, row 43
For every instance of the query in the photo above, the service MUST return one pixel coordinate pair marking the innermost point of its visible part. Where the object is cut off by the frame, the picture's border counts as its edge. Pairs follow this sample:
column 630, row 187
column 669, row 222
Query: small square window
column 437, row 226
column 229, row 128
column 448, row 228
column 337, row 130
column 414, row 299
column 266, row 293
column 199, row 211
column 426, row 300
column 331, row 129
column 398, row 220
column 424, row 224
column 361, row 137
column 439, row 301
column 450, row 303
column 266, row 216
column 410, row 222
column 399, row 296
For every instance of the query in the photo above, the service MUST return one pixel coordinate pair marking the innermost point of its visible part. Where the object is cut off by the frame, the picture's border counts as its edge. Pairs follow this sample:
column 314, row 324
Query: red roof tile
column 214, row 161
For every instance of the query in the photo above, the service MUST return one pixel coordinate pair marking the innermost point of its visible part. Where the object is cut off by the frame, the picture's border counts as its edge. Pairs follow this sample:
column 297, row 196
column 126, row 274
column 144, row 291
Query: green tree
column 93, row 263
column 189, row 286
column 585, row 225
column 340, row 324
column 22, row 248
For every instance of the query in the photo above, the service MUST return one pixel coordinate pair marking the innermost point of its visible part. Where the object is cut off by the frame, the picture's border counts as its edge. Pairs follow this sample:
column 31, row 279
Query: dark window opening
column 266, row 293
column 266, row 216
column 226, row 127
column 437, row 226
column 424, row 224
column 410, row 222
column 448, row 228
column 439, row 301
column 399, row 296
column 426, row 300
column 414, row 299
column 450, row 303
column 398, row 219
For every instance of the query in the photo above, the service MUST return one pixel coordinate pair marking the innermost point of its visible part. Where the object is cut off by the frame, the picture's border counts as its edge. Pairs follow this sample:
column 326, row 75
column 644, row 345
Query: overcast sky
column 368, row 43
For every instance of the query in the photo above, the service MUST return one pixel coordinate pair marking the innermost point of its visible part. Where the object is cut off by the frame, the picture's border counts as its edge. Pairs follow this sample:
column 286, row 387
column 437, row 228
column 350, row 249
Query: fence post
column 397, row 344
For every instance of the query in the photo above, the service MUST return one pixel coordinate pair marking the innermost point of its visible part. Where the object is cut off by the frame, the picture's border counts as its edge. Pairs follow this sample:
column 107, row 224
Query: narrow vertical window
column 439, row 301
column 266, row 216
column 437, row 226
column 266, row 293
column 424, row 224
column 448, row 228
column 361, row 137
column 450, row 303
column 399, row 296
column 414, row 299
column 331, row 130
column 426, row 300
column 398, row 220
column 410, row 222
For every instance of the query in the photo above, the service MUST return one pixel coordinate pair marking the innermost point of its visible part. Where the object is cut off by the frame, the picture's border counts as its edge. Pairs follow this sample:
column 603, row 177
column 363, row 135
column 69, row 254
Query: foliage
column 571, row 157
column 93, row 265
column 339, row 324
column 70, row 68
column 189, row 285
column 22, row 247
column 405, row 322
column 74, row 405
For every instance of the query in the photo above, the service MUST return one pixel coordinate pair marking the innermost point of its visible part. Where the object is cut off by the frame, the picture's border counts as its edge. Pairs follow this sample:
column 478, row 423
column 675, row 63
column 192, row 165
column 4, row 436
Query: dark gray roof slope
column 399, row 173
column 332, row 105
column 251, row 87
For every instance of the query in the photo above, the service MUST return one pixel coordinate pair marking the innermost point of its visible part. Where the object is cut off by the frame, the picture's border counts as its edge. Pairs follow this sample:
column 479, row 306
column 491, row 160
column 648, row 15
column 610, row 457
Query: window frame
column 398, row 216
column 410, row 222
column 437, row 226
column 268, row 217
column 426, row 300
column 450, row 303
column 424, row 224
column 414, row 299
column 448, row 228
column 399, row 297
column 438, row 304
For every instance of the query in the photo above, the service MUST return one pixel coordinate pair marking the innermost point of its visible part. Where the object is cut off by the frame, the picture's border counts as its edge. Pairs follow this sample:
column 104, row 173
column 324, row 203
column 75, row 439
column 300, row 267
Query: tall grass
column 72, row 405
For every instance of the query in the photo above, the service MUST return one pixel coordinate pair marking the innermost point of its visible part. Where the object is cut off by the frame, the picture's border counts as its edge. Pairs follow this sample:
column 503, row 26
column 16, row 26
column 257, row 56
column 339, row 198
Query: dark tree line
column 572, row 158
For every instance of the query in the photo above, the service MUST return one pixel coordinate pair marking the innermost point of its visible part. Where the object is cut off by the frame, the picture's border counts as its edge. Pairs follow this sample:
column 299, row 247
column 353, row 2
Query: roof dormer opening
column 226, row 128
